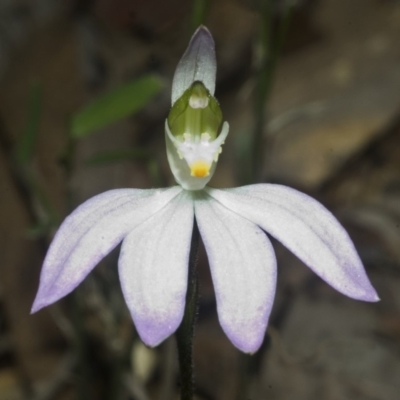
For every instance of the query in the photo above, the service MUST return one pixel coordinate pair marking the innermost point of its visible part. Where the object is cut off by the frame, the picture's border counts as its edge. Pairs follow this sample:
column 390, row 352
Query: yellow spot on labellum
column 199, row 169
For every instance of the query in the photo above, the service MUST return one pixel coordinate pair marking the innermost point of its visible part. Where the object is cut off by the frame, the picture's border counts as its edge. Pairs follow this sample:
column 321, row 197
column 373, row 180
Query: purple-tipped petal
column 197, row 64
column 243, row 268
column 306, row 228
column 90, row 233
column 153, row 268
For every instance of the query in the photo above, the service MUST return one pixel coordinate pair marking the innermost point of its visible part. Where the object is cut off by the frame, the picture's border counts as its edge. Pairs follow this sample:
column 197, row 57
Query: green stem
column 270, row 51
column 185, row 332
column 262, row 91
column 199, row 12
column 25, row 150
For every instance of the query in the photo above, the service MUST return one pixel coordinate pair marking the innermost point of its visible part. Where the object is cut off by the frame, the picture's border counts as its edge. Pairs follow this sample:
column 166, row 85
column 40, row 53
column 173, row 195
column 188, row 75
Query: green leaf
column 118, row 155
column 116, row 105
column 26, row 146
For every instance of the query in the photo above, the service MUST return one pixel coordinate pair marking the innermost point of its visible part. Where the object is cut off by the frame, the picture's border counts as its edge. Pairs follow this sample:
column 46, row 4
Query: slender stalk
column 263, row 86
column 270, row 46
column 271, row 43
column 26, row 146
column 185, row 332
column 199, row 12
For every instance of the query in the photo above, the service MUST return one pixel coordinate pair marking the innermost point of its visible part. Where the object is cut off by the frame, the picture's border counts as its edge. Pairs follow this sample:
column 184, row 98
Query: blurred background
column 85, row 88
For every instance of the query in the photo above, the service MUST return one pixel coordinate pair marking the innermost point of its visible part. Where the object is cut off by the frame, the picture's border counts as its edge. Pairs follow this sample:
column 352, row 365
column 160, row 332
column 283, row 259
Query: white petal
column 306, row 228
column 90, row 233
column 179, row 166
column 153, row 269
column 243, row 268
column 197, row 64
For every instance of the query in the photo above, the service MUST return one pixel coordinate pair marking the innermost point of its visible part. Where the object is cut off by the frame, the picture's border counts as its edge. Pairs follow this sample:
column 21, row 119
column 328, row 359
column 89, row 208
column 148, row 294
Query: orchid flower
column 155, row 227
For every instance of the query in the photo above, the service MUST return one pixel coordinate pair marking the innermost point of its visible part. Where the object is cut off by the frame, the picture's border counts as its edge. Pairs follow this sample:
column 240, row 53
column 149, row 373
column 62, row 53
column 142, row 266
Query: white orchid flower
column 155, row 227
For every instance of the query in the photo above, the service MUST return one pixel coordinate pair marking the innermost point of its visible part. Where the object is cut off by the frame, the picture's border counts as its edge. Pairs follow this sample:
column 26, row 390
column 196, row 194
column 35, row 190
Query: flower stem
column 185, row 332
column 199, row 12
column 271, row 43
column 264, row 82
